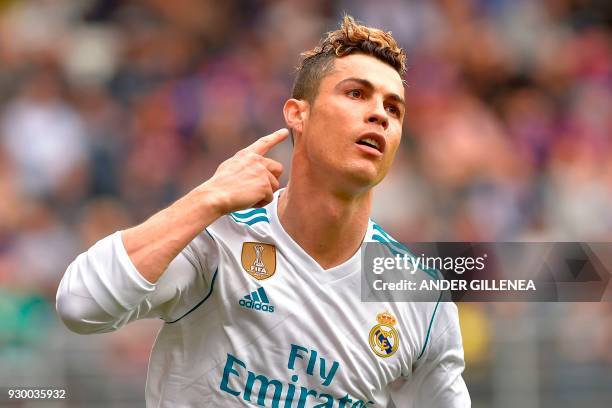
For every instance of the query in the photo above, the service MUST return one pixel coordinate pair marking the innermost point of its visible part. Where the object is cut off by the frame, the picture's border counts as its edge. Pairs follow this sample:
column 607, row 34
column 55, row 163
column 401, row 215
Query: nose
column 378, row 114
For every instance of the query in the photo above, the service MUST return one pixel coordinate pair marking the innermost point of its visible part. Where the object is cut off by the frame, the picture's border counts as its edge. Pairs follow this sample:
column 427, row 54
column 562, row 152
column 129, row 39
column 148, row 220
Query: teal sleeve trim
column 252, row 221
column 249, row 213
column 429, row 328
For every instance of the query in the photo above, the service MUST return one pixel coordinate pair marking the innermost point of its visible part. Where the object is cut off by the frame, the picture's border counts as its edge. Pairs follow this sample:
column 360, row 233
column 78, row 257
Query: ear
column 296, row 113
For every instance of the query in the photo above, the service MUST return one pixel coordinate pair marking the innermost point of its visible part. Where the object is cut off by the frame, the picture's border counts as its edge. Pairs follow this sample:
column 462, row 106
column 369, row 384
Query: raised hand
column 247, row 179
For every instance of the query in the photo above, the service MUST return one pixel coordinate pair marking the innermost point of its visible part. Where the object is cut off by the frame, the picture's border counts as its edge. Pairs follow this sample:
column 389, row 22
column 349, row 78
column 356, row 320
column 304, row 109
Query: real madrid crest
column 259, row 259
column 383, row 338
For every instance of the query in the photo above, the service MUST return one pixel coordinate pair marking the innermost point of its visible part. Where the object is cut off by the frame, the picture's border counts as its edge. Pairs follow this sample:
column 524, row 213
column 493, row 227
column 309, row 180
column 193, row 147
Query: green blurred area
column 24, row 320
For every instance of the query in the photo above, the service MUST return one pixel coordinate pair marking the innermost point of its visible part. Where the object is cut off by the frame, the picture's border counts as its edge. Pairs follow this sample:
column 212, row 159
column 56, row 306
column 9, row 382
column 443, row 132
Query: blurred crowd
column 110, row 110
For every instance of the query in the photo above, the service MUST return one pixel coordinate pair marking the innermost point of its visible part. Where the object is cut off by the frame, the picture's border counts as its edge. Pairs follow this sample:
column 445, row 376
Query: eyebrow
column 367, row 84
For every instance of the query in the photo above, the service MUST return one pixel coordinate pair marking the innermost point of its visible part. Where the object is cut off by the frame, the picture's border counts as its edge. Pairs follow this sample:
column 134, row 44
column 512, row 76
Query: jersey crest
column 383, row 338
column 259, row 259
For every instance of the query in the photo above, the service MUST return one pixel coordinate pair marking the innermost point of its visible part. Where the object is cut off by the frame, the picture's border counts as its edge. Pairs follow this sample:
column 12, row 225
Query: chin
column 363, row 178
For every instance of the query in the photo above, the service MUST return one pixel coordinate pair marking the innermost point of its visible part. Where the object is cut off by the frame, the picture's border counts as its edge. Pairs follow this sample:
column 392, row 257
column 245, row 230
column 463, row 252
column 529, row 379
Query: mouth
column 372, row 142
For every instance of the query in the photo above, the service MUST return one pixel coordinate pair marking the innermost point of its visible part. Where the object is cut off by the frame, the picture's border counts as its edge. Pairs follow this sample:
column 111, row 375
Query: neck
column 328, row 225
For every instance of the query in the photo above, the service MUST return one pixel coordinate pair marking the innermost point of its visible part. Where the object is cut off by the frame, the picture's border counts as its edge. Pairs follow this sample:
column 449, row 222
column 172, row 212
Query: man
column 262, row 306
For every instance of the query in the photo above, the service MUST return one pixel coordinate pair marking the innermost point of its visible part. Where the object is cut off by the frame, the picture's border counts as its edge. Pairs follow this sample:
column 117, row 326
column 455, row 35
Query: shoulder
column 392, row 247
column 377, row 234
column 247, row 222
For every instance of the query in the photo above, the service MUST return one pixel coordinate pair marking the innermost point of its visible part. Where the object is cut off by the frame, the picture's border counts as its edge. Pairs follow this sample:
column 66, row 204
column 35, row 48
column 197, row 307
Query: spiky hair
column 350, row 38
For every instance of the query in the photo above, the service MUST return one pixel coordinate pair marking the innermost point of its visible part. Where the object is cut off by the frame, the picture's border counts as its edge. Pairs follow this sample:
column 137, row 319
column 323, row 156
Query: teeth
column 371, row 142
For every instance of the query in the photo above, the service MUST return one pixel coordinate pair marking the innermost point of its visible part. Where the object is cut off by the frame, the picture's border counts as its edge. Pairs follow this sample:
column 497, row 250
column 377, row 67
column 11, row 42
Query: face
column 352, row 130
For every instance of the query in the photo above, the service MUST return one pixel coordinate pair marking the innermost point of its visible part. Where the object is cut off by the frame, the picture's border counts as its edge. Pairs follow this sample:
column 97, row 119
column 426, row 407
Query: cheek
column 393, row 145
column 337, row 112
column 330, row 124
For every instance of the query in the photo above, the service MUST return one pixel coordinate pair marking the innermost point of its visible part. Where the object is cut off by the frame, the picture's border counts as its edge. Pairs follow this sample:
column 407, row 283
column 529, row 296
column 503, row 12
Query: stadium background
column 109, row 110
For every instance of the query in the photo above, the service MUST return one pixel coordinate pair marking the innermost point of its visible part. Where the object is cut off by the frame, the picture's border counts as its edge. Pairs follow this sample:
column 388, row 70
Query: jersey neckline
column 323, row 276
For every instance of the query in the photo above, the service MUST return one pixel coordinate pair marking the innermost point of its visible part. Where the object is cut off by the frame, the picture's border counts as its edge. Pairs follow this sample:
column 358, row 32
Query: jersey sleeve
column 102, row 290
column 436, row 380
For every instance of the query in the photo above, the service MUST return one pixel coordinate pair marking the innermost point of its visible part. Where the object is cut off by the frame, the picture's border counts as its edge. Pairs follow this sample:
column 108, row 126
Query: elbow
column 71, row 315
column 79, row 317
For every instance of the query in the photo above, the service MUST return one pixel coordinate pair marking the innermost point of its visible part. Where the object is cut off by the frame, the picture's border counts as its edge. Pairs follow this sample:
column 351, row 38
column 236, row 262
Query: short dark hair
column 350, row 38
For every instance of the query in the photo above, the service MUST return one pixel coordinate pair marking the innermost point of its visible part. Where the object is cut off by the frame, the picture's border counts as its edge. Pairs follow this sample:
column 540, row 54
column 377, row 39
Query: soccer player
column 259, row 288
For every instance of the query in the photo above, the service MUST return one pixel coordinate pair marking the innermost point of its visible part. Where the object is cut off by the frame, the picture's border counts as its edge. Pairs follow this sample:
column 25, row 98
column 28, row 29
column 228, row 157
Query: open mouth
column 373, row 141
column 369, row 142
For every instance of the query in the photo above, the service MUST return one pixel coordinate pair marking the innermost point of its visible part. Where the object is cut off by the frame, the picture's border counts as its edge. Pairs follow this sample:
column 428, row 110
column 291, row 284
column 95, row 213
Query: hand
column 247, row 179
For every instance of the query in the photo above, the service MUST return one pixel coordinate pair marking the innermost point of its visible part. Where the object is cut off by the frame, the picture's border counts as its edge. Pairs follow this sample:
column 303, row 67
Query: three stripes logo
column 257, row 300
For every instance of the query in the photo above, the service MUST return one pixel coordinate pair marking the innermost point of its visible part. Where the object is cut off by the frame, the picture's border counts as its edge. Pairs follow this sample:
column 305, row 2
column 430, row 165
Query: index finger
column 262, row 145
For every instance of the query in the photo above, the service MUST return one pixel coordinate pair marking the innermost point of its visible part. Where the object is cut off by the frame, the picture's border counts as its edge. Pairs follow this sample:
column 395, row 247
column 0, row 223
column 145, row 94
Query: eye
column 355, row 93
column 393, row 110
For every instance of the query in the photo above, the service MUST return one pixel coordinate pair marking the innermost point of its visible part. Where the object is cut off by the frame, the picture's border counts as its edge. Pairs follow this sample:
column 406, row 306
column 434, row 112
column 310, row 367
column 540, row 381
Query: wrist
column 211, row 200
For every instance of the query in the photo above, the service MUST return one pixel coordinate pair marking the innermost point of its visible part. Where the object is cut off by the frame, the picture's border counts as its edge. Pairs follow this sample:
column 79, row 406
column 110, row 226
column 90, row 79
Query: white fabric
column 312, row 350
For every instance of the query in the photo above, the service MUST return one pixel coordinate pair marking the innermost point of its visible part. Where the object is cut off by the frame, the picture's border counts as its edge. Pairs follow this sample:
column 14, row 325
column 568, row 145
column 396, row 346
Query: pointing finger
column 264, row 144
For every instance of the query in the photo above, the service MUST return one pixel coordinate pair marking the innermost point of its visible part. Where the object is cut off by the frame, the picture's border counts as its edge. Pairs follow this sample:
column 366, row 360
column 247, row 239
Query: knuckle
column 253, row 172
column 253, row 157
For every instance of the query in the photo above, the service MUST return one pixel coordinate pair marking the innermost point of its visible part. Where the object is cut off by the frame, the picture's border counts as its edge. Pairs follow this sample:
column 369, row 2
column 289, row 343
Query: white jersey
column 252, row 320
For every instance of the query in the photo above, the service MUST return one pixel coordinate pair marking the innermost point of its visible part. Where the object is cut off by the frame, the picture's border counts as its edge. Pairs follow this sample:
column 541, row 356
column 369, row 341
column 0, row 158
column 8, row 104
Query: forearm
column 152, row 245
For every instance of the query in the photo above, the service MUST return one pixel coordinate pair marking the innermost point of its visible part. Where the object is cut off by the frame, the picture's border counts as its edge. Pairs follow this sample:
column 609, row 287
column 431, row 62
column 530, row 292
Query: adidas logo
column 257, row 300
